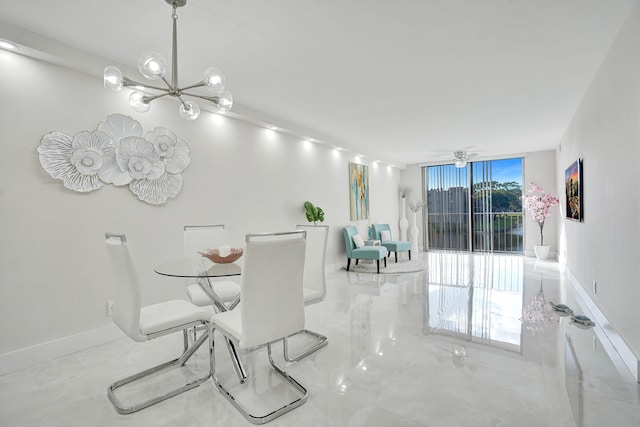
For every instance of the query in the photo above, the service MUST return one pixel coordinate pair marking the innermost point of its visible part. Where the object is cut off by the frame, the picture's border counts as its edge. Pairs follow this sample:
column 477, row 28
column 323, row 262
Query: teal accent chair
column 391, row 245
column 376, row 253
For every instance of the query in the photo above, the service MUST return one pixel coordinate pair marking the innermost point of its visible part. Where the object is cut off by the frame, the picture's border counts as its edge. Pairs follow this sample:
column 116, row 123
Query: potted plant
column 313, row 213
column 539, row 204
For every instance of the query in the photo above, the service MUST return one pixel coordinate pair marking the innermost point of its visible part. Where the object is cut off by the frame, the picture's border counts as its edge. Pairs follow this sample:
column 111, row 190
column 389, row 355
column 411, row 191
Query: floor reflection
column 475, row 298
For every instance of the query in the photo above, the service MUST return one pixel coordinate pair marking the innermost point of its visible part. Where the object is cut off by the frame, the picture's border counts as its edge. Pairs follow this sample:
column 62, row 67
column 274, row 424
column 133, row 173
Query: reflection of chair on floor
column 149, row 322
column 200, row 238
column 368, row 284
column 314, row 283
column 382, row 232
column 271, row 308
column 356, row 249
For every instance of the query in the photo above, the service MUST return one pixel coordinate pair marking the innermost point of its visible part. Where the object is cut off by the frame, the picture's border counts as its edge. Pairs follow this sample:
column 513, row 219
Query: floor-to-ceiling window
column 476, row 207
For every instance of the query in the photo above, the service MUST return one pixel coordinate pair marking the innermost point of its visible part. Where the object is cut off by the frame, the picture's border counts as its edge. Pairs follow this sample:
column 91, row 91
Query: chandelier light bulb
column 225, row 101
column 214, row 79
column 152, row 65
column 192, row 113
column 137, row 103
column 113, row 78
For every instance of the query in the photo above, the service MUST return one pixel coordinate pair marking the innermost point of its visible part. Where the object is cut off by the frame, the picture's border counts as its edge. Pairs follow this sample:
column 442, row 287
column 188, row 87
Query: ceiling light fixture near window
column 154, row 67
column 5, row 44
column 270, row 133
column 460, row 159
column 307, row 144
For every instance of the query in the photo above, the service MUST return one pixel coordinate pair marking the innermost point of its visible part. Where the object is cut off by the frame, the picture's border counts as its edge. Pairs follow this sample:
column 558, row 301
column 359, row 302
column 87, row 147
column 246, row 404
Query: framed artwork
column 573, row 191
column 359, row 191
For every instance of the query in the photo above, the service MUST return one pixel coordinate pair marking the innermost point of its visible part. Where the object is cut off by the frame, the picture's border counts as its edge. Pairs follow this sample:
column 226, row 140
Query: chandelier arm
column 214, row 99
column 171, row 88
column 147, row 99
column 127, row 82
column 201, row 84
column 186, row 106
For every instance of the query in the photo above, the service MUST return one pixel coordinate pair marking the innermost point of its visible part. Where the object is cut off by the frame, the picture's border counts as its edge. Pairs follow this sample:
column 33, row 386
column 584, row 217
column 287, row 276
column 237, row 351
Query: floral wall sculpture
column 117, row 153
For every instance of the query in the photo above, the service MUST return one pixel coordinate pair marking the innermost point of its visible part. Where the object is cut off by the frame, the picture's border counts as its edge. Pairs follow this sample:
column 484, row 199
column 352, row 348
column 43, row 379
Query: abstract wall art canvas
column 359, row 191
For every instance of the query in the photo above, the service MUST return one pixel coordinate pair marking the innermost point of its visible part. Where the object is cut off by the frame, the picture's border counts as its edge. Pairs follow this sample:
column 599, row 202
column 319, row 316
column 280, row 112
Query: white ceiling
column 402, row 81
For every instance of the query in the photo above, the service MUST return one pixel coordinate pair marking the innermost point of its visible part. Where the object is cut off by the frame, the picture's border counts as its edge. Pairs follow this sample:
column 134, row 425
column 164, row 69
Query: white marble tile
column 390, row 361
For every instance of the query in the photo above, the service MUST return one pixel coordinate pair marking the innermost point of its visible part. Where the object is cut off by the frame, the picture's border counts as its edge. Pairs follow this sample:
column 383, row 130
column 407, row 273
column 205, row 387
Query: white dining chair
column 200, row 238
column 271, row 308
column 148, row 322
column 314, row 284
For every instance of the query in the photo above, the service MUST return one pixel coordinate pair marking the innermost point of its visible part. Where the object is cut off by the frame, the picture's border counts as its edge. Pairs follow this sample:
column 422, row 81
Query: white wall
column 54, row 271
column 605, row 134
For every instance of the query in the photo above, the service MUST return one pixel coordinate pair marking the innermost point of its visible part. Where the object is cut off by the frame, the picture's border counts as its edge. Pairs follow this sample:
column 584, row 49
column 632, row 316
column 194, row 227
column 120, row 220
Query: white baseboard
column 617, row 349
column 25, row 357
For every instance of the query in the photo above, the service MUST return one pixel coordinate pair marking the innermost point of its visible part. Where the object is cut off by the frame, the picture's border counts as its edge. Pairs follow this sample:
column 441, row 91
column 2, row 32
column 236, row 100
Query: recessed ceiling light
column 4, row 44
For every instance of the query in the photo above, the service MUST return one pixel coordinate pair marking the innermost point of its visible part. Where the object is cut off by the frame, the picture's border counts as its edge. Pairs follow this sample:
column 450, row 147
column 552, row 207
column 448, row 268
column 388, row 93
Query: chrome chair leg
column 321, row 341
column 257, row 419
column 175, row 363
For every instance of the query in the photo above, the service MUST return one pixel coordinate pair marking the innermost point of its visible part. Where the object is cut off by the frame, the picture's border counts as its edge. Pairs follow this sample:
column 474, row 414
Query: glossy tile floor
column 442, row 348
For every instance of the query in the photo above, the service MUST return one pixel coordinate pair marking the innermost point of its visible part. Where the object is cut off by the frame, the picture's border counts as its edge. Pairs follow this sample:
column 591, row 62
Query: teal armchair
column 391, row 245
column 376, row 253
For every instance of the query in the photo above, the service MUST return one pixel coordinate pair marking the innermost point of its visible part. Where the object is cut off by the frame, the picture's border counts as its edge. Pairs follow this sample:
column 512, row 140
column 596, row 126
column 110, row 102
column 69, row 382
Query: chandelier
column 154, row 67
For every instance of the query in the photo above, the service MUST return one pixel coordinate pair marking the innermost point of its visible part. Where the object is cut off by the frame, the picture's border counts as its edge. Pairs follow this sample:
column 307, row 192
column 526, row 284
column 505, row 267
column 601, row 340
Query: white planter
column 413, row 235
column 404, row 222
column 542, row 252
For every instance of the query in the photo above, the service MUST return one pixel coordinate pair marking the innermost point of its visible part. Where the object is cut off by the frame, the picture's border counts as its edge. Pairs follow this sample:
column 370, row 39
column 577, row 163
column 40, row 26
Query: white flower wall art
column 118, row 153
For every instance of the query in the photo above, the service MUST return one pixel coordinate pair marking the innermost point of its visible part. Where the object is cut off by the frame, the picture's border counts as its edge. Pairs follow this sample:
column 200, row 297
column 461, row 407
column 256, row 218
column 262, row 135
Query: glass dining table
column 203, row 270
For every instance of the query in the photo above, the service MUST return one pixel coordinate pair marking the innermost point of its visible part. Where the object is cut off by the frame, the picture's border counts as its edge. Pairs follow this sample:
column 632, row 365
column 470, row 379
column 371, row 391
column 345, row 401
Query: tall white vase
column 404, row 222
column 413, row 235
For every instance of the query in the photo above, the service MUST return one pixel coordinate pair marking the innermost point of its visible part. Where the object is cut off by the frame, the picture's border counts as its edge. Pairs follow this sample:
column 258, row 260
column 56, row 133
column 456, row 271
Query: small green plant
column 314, row 213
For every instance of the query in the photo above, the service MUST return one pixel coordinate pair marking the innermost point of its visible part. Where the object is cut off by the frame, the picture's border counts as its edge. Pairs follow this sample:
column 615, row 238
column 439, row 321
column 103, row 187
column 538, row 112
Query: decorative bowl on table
column 223, row 257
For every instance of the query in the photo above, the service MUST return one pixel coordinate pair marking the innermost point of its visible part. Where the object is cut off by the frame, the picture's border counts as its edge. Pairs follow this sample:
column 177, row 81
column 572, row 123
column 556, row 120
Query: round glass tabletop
column 197, row 267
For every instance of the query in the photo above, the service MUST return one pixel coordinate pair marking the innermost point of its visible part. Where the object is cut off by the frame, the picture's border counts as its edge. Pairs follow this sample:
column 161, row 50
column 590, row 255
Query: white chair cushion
column 357, row 240
column 230, row 322
column 170, row 314
column 310, row 295
column 225, row 289
column 385, row 235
